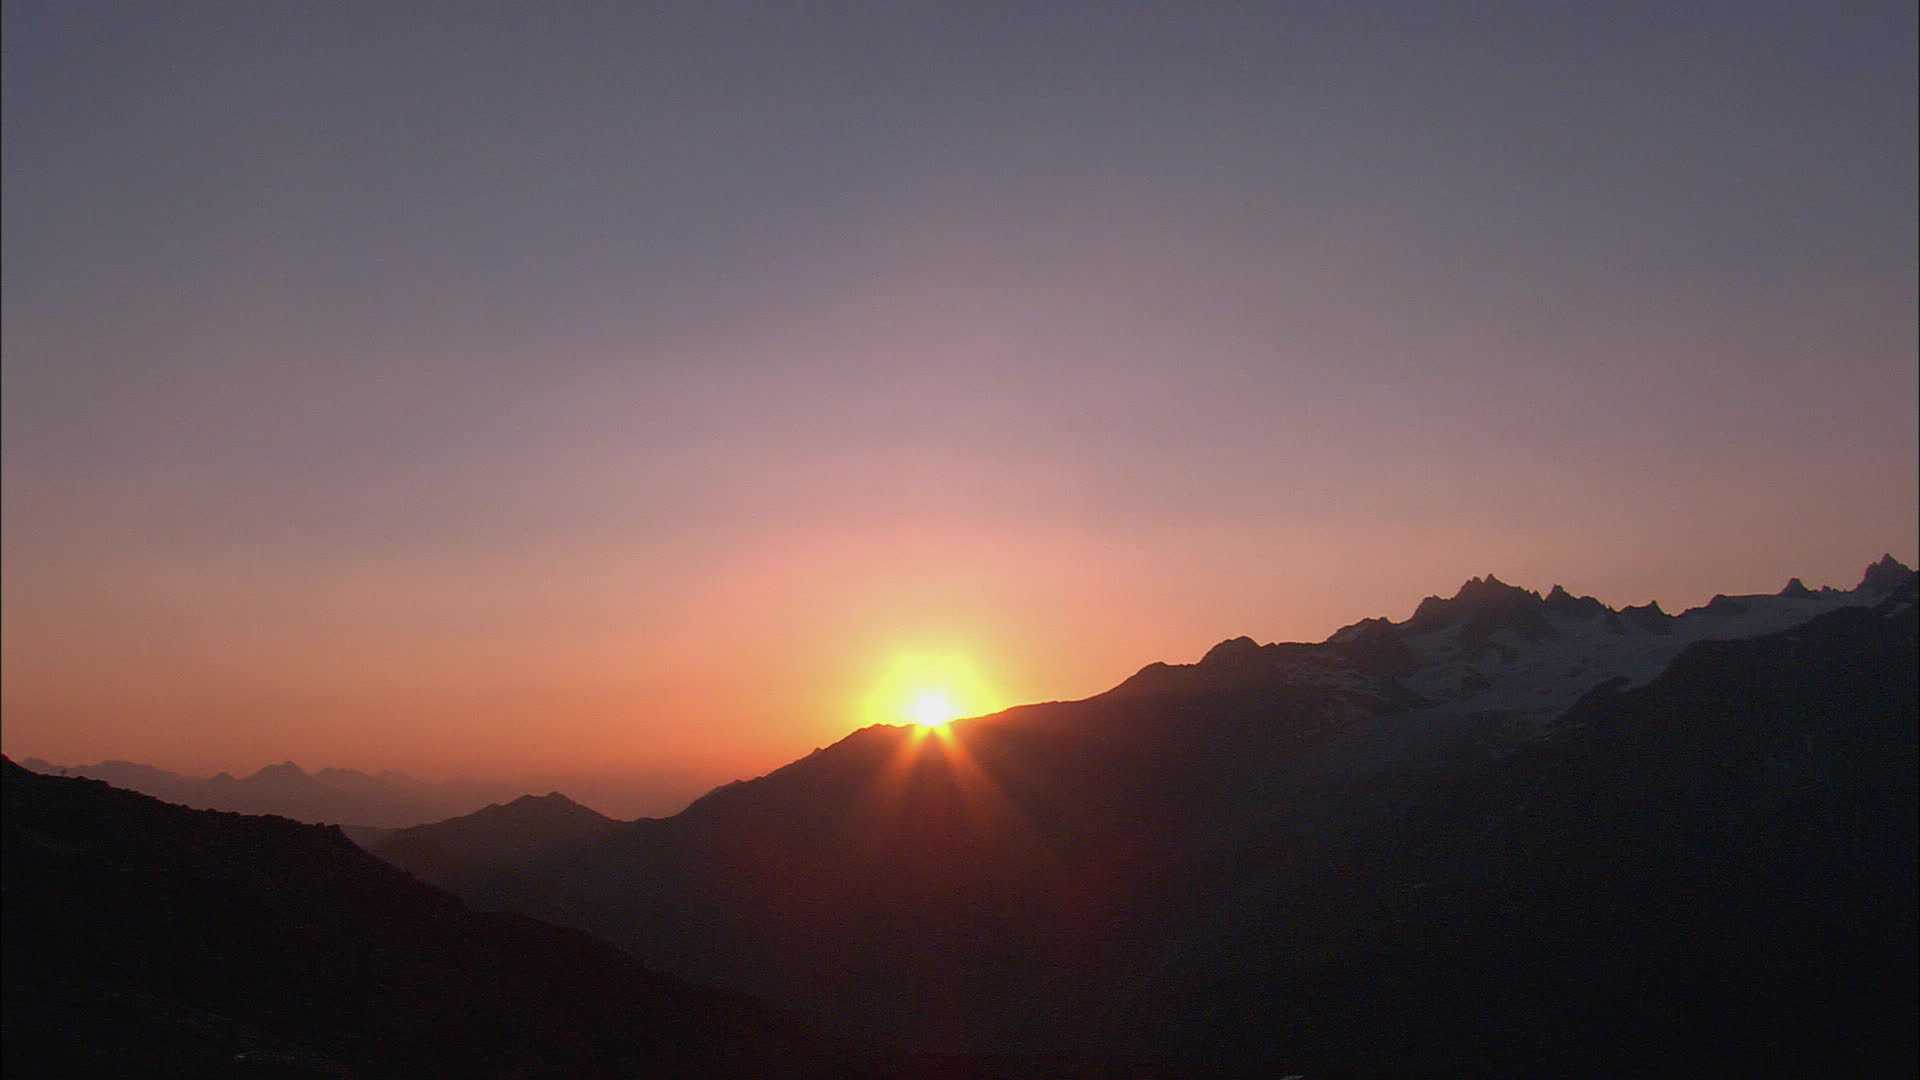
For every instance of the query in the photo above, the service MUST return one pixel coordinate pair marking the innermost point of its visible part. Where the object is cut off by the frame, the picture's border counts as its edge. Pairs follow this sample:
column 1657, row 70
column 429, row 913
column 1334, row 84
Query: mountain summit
column 1887, row 575
column 460, row 853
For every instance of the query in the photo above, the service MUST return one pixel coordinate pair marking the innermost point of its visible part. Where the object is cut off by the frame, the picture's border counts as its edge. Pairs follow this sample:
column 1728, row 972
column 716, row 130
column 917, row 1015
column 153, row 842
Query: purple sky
column 585, row 388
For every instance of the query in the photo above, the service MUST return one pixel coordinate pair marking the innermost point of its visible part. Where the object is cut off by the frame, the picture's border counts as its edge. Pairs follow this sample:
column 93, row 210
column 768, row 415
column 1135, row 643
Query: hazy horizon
column 606, row 393
column 661, row 793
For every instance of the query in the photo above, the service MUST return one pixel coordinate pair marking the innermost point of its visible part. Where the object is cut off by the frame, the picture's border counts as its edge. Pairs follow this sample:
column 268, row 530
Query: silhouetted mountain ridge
column 1888, row 575
column 330, row 795
column 1104, row 873
column 461, row 852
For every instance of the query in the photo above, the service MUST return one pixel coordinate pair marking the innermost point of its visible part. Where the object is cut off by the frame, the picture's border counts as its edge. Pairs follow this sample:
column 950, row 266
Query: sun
column 932, row 709
column 928, row 689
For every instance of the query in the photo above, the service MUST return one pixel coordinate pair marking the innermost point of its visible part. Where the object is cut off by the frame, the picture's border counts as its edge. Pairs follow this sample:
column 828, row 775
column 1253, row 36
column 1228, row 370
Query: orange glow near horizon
column 642, row 683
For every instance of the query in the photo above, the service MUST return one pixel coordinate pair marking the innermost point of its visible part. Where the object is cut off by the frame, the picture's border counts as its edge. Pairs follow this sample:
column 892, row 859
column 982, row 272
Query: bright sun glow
column 928, row 689
column 932, row 708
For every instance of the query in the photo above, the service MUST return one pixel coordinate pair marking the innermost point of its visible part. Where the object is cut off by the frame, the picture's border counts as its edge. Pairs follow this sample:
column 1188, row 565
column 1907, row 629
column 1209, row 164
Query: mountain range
column 372, row 801
column 1514, row 833
column 1511, row 833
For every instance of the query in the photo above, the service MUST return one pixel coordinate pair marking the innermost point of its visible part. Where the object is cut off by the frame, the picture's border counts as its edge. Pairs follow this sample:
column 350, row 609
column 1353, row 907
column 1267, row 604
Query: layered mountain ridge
column 370, row 802
column 1511, row 834
column 1105, row 873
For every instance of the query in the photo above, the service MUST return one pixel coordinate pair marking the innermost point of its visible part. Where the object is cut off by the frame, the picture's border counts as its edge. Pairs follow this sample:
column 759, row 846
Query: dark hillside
column 146, row 939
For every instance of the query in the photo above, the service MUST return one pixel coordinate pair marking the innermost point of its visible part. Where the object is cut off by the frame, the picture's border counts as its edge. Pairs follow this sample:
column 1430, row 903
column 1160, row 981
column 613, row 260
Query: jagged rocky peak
column 1561, row 602
column 1486, row 605
column 1231, row 652
column 1474, row 593
column 1491, row 590
column 1796, row 590
column 1887, row 575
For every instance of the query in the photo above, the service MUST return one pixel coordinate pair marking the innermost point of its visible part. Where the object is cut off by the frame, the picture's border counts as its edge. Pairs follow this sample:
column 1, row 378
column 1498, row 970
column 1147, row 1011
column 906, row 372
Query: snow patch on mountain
column 1497, row 666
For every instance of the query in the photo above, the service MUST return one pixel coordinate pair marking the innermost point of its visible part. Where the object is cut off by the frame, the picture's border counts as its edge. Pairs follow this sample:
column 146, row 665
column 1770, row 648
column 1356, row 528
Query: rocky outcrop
column 1886, row 576
column 1565, row 605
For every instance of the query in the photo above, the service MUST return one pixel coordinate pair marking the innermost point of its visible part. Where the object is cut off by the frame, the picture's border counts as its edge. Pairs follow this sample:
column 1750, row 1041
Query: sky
column 643, row 395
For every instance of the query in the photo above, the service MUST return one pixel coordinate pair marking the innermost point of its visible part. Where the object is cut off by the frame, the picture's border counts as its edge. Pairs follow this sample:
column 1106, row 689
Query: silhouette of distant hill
column 462, row 852
column 384, row 800
column 144, row 939
column 1462, row 842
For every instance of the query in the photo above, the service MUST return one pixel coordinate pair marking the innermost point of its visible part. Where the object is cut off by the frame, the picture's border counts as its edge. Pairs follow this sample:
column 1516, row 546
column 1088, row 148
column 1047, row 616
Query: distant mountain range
column 1514, row 833
column 334, row 796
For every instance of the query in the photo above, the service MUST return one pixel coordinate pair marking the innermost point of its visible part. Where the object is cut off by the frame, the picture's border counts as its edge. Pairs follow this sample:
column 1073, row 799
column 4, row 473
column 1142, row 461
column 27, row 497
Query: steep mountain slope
column 1112, row 874
column 153, row 940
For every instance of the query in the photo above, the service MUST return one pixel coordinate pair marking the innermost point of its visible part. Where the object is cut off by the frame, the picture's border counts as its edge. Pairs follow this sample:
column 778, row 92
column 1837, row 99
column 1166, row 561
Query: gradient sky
column 602, row 391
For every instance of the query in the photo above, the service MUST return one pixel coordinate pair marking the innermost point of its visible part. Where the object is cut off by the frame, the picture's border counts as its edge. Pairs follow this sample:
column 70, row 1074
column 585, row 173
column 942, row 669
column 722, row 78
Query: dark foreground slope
column 145, row 939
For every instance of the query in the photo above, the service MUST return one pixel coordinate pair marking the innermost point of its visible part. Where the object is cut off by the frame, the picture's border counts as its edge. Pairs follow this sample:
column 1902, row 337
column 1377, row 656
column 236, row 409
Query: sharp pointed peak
column 1490, row 586
column 1561, row 602
column 1885, row 575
